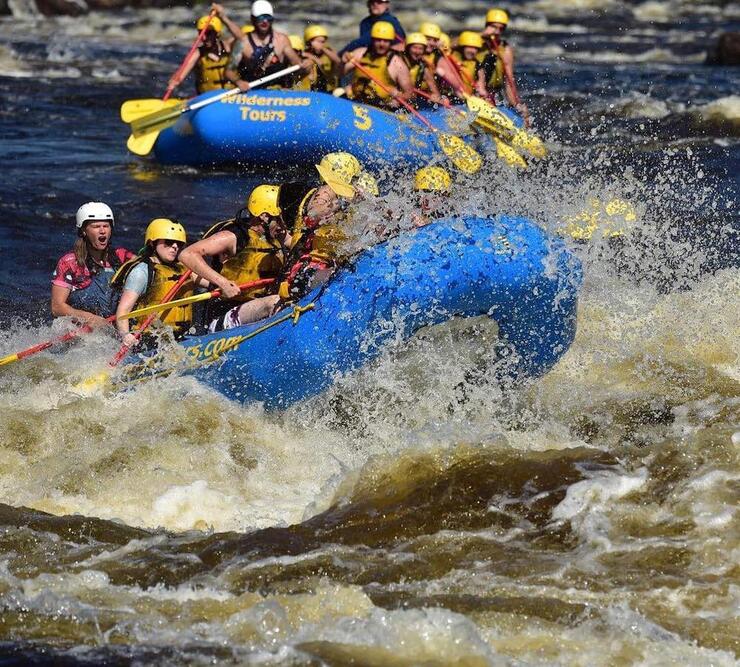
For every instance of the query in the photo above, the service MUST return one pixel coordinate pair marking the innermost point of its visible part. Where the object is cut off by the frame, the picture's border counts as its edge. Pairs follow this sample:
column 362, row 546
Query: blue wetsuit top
column 366, row 25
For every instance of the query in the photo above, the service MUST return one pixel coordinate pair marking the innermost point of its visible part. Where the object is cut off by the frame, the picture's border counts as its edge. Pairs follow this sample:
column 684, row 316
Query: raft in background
column 285, row 127
column 506, row 268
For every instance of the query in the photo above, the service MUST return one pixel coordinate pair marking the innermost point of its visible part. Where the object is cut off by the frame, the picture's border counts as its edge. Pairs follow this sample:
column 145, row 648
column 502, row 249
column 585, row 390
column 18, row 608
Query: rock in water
column 727, row 51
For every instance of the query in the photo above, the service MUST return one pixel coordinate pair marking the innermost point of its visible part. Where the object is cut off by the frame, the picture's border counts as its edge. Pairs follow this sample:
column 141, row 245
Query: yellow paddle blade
column 611, row 218
column 143, row 144
column 132, row 110
column 495, row 121
column 509, row 155
column 464, row 157
column 92, row 385
column 529, row 142
column 158, row 120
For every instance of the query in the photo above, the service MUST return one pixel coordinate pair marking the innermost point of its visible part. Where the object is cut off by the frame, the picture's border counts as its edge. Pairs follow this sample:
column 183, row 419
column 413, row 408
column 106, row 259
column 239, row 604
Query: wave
column 722, row 109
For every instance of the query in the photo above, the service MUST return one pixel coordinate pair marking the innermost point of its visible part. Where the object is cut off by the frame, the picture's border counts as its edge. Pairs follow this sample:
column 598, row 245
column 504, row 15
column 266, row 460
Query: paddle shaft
column 195, row 45
column 40, row 347
column 446, row 104
column 222, row 95
column 196, row 298
column 409, row 107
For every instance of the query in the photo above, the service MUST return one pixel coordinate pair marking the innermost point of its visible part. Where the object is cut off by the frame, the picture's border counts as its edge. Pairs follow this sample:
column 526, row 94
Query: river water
column 588, row 518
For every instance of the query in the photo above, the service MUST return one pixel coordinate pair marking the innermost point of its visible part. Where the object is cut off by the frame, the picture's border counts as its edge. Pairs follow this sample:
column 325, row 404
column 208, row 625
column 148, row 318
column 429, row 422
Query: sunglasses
column 169, row 243
column 264, row 18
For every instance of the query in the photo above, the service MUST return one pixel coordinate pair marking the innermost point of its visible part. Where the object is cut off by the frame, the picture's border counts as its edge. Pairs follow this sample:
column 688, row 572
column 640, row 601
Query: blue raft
column 506, row 268
column 285, row 127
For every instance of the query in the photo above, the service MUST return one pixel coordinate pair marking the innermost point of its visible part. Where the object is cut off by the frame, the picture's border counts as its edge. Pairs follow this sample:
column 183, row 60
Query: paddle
column 493, row 119
column 195, row 298
column 133, row 109
column 144, row 131
column 503, row 150
column 464, row 157
column 92, row 383
column 40, row 347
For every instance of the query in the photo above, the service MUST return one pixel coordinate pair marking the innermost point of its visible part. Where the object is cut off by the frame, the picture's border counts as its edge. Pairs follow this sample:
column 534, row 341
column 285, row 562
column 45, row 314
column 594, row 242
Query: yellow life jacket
column 160, row 280
column 162, row 277
column 329, row 73
column 468, row 71
column 365, row 89
column 326, row 243
column 493, row 62
column 300, row 227
column 303, row 82
column 256, row 258
column 210, row 74
column 416, row 72
column 432, row 59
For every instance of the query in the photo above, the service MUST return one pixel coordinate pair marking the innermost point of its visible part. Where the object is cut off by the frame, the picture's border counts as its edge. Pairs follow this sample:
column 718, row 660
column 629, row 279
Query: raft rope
column 294, row 315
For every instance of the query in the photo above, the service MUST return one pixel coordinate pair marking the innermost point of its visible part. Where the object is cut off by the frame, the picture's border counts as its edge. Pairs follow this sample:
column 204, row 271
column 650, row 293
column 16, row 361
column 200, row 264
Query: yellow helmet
column 296, row 42
column 497, row 16
column 264, row 199
column 164, row 228
column 470, row 38
column 415, row 38
column 338, row 170
column 247, row 28
column 429, row 29
column 367, row 183
column 445, row 43
column 432, row 179
column 343, row 165
column 314, row 31
column 383, row 30
column 215, row 23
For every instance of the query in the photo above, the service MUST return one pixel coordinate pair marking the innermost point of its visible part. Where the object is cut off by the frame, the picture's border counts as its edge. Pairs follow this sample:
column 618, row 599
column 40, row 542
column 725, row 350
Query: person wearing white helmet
column 80, row 286
column 262, row 51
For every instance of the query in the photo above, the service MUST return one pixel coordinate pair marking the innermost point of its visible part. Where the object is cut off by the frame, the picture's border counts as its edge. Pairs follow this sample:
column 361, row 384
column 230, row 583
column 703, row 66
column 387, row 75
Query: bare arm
column 431, row 85
column 188, row 66
column 351, row 56
column 234, row 29
column 510, row 87
column 400, row 74
column 125, row 306
column 221, row 244
column 232, row 69
column 60, row 308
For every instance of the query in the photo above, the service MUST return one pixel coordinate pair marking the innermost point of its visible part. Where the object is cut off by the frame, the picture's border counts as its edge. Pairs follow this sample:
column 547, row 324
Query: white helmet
column 93, row 211
column 261, row 7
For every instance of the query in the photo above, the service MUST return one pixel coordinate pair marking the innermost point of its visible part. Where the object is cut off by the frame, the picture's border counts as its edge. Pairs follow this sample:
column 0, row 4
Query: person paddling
column 318, row 215
column 252, row 246
column 328, row 64
column 422, row 75
column 387, row 65
column 262, row 51
column 146, row 279
column 80, row 286
column 465, row 70
column 498, row 62
column 209, row 61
